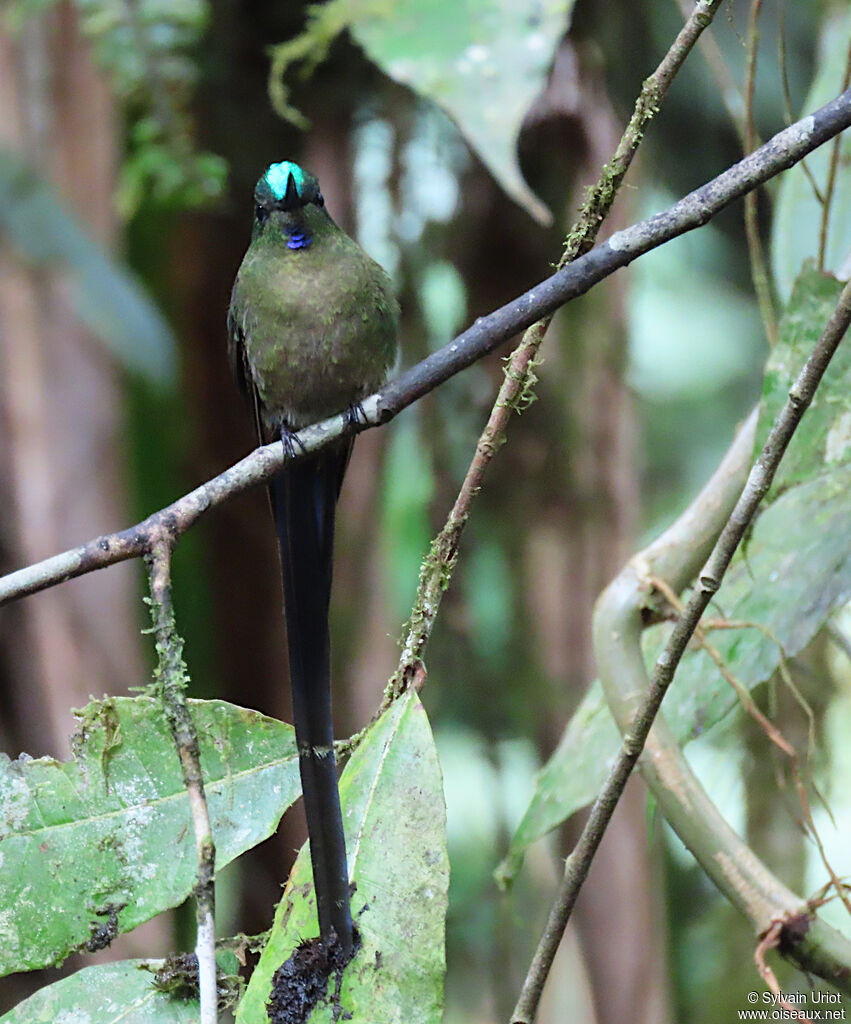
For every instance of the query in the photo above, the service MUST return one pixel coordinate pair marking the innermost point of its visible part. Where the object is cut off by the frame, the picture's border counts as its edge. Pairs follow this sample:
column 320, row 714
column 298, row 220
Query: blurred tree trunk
column 61, row 397
column 61, row 455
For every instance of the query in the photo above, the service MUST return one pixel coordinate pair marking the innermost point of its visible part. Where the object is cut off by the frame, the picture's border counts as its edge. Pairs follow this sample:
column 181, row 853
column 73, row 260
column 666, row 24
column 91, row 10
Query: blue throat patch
column 299, row 240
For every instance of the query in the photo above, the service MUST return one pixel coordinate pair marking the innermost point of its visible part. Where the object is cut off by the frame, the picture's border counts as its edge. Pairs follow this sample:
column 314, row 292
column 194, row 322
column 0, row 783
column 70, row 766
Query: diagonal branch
column 486, row 334
column 170, row 678
column 693, row 532
column 515, row 391
column 617, row 630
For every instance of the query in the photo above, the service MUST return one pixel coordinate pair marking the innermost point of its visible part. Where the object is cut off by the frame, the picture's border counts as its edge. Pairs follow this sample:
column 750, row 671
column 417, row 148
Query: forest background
column 143, row 131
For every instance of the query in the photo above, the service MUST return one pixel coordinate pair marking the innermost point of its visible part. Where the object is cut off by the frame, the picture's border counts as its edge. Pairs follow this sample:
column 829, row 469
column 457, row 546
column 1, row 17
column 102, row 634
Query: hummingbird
column 312, row 329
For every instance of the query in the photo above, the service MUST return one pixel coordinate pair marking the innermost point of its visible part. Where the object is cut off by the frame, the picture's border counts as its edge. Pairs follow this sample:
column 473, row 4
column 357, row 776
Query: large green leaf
column 112, row 828
column 822, row 442
column 119, row 993
column 395, row 821
column 795, row 568
column 482, row 61
column 108, row 298
column 794, row 571
column 797, row 221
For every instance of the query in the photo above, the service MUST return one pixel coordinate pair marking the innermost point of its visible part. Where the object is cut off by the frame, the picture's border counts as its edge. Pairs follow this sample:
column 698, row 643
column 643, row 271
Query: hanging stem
column 171, row 678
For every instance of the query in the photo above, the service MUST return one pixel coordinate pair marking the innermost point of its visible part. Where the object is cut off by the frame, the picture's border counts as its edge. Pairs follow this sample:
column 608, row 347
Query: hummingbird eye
column 319, row 200
column 261, row 213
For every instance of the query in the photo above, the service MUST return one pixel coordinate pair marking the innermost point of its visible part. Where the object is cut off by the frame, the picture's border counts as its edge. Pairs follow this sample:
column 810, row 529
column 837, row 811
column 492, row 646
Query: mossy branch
column 171, row 678
column 518, row 386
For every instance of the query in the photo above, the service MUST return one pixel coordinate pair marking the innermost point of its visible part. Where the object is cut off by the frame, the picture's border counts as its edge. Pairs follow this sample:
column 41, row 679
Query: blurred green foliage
column 148, row 50
column 108, row 297
column 812, row 219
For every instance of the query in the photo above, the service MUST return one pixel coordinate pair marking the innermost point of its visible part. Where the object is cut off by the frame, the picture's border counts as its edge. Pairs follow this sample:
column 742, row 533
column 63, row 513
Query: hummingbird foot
column 355, row 417
column 290, row 441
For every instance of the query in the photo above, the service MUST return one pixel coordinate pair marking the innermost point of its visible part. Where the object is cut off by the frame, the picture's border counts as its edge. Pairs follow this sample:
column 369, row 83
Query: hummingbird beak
column 291, row 198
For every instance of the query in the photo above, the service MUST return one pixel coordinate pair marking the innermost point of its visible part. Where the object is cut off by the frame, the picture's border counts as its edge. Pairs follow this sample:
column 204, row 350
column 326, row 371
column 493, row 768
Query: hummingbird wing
column 240, row 367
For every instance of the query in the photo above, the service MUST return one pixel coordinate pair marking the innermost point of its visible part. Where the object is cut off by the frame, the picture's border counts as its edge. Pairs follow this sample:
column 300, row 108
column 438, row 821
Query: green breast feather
column 318, row 323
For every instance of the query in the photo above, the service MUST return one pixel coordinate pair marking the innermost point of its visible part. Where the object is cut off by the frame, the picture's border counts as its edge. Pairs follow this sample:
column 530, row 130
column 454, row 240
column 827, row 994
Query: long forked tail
column 304, row 499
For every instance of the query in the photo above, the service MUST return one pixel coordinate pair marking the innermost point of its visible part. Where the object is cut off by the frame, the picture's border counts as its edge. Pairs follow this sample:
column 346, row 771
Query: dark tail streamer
column 304, row 499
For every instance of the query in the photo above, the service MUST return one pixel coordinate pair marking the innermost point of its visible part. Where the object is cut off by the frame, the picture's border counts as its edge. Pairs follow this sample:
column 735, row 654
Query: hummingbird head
column 286, row 187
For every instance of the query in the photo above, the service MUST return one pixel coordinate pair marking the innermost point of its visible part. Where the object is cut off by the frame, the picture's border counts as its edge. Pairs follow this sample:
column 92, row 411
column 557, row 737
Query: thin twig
column 728, row 90
column 771, row 940
column 830, row 187
column 171, row 680
column 782, row 668
column 770, row 730
column 741, row 691
column 484, row 336
column 709, row 579
column 516, row 389
column 438, row 566
column 653, row 90
column 787, row 95
column 759, row 269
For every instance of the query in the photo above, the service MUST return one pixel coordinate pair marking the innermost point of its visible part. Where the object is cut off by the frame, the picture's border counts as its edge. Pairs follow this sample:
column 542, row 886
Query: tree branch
column 486, row 334
column 516, row 390
column 171, row 678
column 692, row 534
column 740, row 875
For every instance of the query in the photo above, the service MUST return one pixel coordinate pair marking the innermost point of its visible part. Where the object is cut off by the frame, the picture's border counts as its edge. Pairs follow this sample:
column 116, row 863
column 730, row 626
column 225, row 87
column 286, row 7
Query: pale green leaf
column 822, row 442
column 118, row 993
column 482, row 61
column 392, row 795
column 795, row 568
column 112, row 828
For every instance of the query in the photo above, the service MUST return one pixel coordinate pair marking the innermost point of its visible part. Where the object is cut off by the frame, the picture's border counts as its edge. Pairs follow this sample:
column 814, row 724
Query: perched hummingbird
column 312, row 330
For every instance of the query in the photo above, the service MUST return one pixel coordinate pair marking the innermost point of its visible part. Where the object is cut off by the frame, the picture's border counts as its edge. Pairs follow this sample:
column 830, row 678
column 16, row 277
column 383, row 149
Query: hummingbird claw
column 355, row 416
column 290, row 440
